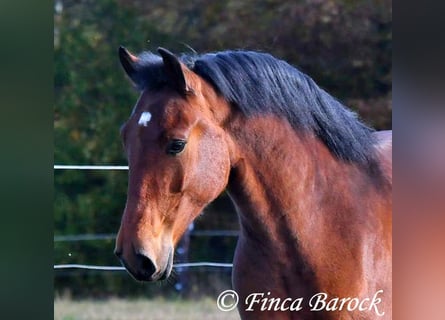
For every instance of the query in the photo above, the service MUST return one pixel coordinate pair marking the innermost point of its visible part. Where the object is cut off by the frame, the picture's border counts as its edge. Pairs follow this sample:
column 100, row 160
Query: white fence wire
column 119, row 268
column 88, row 167
column 112, row 236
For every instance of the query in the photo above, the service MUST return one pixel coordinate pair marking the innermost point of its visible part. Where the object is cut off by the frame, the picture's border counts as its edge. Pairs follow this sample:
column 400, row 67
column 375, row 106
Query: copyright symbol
column 227, row 300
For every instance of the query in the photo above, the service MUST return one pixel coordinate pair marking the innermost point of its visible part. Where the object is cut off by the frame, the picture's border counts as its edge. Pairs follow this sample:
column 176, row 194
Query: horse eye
column 175, row 146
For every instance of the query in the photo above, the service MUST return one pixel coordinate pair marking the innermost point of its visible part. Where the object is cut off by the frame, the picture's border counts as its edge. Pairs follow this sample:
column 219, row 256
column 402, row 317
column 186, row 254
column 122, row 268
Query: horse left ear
column 174, row 71
column 128, row 62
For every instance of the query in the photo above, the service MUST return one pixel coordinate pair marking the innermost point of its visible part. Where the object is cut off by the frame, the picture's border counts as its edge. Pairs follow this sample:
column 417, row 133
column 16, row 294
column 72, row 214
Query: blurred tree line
column 344, row 45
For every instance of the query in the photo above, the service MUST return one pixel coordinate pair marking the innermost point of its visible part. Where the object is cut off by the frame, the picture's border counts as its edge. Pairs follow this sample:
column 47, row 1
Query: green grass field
column 150, row 309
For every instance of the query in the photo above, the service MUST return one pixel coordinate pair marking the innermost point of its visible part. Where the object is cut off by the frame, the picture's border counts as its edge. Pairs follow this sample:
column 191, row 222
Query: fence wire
column 88, row 167
column 120, row 268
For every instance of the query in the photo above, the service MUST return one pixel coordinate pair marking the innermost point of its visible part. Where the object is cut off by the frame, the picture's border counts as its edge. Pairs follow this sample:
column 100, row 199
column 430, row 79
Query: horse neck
column 288, row 188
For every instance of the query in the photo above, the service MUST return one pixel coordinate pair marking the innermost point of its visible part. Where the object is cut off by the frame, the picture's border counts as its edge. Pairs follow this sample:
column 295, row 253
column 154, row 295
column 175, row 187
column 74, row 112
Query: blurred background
column 344, row 45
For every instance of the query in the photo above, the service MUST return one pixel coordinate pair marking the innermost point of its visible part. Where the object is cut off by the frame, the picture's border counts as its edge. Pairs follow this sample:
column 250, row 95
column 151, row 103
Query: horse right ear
column 128, row 61
column 174, row 71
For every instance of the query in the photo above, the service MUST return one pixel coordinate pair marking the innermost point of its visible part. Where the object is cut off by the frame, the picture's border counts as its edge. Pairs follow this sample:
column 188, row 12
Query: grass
column 139, row 309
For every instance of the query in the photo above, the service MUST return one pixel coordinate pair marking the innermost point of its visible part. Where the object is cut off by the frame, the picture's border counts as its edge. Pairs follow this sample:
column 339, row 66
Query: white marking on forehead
column 144, row 119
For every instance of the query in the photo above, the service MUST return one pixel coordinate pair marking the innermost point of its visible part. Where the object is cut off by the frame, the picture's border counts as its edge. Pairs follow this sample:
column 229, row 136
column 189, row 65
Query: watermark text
column 259, row 301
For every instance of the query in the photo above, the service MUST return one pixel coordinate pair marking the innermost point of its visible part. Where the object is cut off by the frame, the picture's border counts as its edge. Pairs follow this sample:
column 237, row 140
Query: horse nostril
column 146, row 264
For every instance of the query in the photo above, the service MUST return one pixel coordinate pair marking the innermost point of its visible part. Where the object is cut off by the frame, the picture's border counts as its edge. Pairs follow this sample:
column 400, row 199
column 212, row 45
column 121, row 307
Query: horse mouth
column 147, row 275
column 164, row 275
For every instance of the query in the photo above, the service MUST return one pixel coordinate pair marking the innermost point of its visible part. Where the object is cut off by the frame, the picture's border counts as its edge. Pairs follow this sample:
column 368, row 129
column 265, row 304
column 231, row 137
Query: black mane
column 258, row 83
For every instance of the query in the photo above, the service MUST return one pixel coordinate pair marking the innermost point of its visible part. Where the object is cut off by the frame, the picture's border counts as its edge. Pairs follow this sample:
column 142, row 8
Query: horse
column 311, row 182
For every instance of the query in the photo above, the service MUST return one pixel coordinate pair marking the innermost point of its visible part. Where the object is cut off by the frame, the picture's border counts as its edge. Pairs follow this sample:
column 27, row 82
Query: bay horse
column 311, row 183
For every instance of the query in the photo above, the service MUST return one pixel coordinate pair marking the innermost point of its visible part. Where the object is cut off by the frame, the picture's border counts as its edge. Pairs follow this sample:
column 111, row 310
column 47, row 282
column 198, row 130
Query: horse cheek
column 216, row 166
column 207, row 175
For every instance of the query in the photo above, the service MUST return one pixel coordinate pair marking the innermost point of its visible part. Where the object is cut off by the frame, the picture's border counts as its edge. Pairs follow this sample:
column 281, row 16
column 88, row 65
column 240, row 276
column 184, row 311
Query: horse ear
column 174, row 71
column 128, row 61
